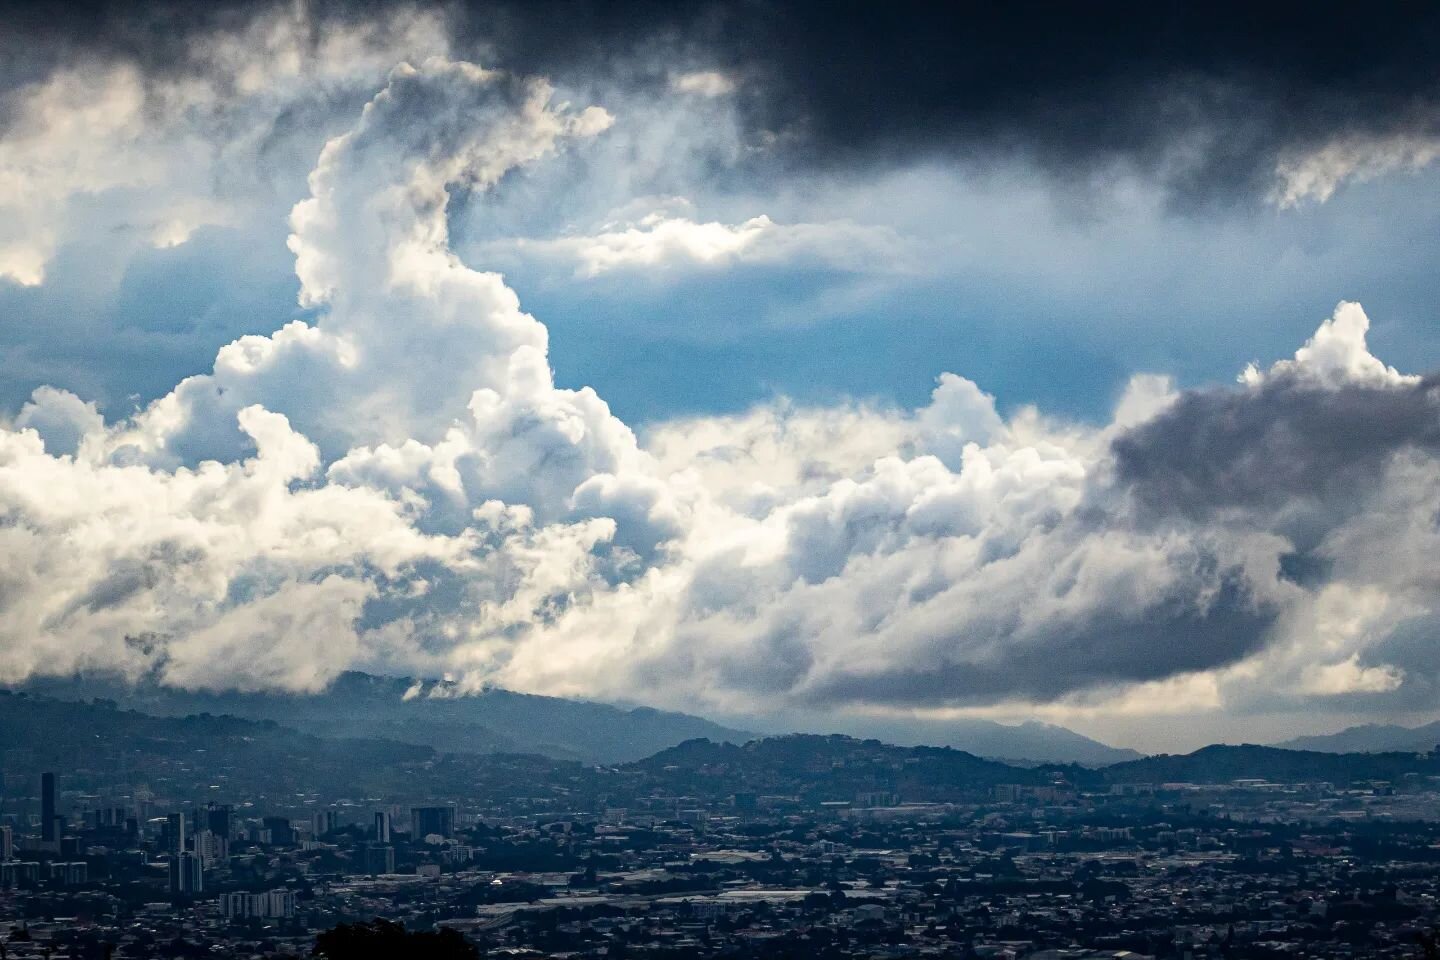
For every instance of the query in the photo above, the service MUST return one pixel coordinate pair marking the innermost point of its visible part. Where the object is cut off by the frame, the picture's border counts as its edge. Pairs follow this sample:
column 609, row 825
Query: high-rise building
column 7, row 844
column 49, row 828
column 270, row 904
column 217, row 819
column 425, row 821
column 175, row 838
column 381, row 832
column 187, row 874
column 378, row 858
column 326, row 821
column 19, row 873
column 211, row 848
column 69, row 874
column 280, row 830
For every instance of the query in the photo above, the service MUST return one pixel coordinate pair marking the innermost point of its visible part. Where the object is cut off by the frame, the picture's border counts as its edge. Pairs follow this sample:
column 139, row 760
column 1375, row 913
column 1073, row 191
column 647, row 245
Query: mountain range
column 431, row 713
column 1026, row 743
column 434, row 713
column 1371, row 738
column 1224, row 763
column 205, row 757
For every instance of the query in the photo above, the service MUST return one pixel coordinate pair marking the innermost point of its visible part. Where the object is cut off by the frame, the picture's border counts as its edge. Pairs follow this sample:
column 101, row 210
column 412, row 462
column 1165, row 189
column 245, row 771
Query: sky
column 746, row 358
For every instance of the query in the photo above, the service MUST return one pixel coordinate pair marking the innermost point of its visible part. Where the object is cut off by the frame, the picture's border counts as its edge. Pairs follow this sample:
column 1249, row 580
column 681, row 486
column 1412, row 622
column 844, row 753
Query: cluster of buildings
column 1245, row 869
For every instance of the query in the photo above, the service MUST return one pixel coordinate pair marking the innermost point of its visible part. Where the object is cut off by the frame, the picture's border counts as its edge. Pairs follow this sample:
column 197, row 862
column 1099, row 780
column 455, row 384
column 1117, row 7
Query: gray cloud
column 1176, row 633
column 1286, row 447
column 1212, row 101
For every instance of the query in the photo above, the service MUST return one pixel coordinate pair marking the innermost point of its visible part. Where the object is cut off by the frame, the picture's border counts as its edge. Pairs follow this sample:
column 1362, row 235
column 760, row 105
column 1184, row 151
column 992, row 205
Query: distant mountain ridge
column 1031, row 742
column 1371, row 738
column 196, row 755
column 818, row 768
column 424, row 712
column 248, row 756
column 434, row 713
column 1223, row 763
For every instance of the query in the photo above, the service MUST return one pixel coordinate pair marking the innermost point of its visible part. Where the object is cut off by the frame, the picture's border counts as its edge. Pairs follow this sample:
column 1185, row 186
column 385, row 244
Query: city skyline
column 829, row 846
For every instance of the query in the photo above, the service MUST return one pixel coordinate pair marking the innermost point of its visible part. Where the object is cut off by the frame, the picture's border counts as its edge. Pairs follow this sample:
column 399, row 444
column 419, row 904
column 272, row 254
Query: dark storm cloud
column 1202, row 96
column 1275, row 448
column 1205, row 98
column 1175, row 636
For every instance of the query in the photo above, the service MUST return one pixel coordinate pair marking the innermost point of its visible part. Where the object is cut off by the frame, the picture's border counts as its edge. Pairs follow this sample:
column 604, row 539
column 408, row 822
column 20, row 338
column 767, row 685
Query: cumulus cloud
column 371, row 245
column 102, row 125
column 1222, row 540
column 175, row 549
column 399, row 481
column 1299, row 442
column 1336, row 356
column 61, row 419
column 123, row 567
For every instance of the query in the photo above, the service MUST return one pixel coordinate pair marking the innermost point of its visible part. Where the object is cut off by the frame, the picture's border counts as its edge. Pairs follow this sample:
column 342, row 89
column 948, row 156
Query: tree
column 385, row 939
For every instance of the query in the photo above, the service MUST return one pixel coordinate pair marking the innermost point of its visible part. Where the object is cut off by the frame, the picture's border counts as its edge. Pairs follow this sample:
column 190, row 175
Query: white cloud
column 104, row 127
column 61, row 419
column 1336, row 355
column 704, row 83
column 660, row 240
column 104, row 563
column 1348, row 676
column 295, row 639
column 1316, row 174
